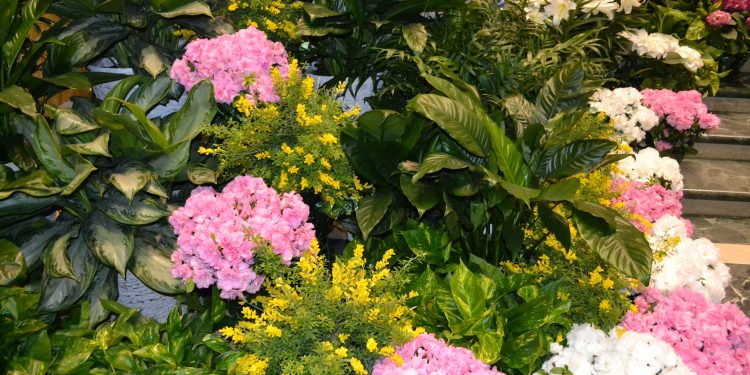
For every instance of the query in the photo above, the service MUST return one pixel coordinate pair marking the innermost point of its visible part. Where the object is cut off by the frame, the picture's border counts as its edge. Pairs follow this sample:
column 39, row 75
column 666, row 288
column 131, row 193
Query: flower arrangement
column 626, row 112
column 663, row 47
column 316, row 321
column 591, row 351
column 735, row 5
column 719, row 18
column 293, row 144
column 648, row 167
column 648, row 201
column 710, row 338
column 684, row 116
column 426, row 355
column 220, row 235
column 237, row 64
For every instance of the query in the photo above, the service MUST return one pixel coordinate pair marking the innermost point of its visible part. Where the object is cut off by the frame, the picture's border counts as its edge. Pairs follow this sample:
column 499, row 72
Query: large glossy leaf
column 83, row 168
column 73, row 80
column 192, row 8
column 69, row 121
column 489, row 347
column 422, row 196
column 150, row 93
column 522, row 111
column 372, row 209
column 509, row 159
column 562, row 161
column 467, row 293
column 415, row 36
column 17, row 97
column 561, row 191
column 120, row 91
column 459, row 121
column 47, row 148
column 555, row 224
column 130, row 177
column 59, row 294
column 430, row 245
column 168, row 165
column 140, row 211
column 111, row 242
column 12, row 263
column 98, row 147
column 7, row 12
column 316, row 12
column 148, row 130
column 34, row 240
column 438, row 161
column 562, row 92
column 197, row 112
column 56, row 260
column 626, row 248
column 86, row 41
column 36, row 184
column 151, row 262
column 200, row 175
column 152, row 61
column 104, row 287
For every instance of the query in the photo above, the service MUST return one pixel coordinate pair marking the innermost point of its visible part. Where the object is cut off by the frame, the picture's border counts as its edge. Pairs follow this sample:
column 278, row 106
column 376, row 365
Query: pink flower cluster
column 650, row 201
column 710, row 338
column 735, row 5
column 235, row 63
column 218, row 234
column 427, row 355
column 681, row 109
column 718, row 18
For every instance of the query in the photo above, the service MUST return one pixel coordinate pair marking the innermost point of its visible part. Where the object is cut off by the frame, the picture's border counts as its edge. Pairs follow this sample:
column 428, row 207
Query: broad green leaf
column 151, row 262
column 606, row 214
column 98, row 147
column 696, row 31
column 104, row 287
column 152, row 62
column 89, row 39
column 216, row 343
column 415, row 36
column 75, row 353
column 7, row 12
column 523, row 193
column 140, row 211
column 524, row 350
column 120, row 91
column 12, row 264
column 508, row 158
column 155, row 188
column 148, row 131
column 438, row 161
column 555, row 223
column 69, row 121
column 316, row 12
column 561, row 191
column 59, row 294
column 72, row 80
column 130, row 177
column 626, row 249
column 357, row 9
column 563, row 92
column 372, row 209
column 197, row 112
column 83, row 169
column 430, row 245
column 459, row 121
column 193, row 8
column 121, row 358
column 467, row 293
column 36, row 184
column 523, row 112
column 47, row 148
column 150, row 93
column 18, row 31
column 32, row 242
column 200, row 175
column 489, row 347
column 562, row 161
column 56, row 260
column 422, row 196
column 17, row 97
column 168, row 165
column 111, row 242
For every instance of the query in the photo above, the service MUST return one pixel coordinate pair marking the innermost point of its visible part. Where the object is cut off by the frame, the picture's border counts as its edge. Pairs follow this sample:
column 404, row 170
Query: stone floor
column 739, row 290
column 722, row 229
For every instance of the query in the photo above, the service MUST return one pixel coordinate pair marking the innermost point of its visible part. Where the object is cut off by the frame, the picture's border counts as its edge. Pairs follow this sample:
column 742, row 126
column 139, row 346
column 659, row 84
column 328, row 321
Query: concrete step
column 716, row 187
column 724, row 104
column 737, row 86
column 727, row 230
column 710, row 149
column 734, row 129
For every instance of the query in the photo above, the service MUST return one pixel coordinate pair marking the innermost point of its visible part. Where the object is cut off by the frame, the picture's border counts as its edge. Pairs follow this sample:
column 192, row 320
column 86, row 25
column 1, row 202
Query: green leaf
column 59, row 294
column 147, row 131
column 438, row 161
column 561, row 191
column 7, row 12
column 607, row 215
column 150, row 93
column 216, row 343
column 523, row 193
column 111, row 242
column 696, row 31
column 104, row 287
column 140, row 211
column 72, row 80
column 37, row 184
column 98, row 147
column 69, row 121
column 193, row 8
column 121, row 358
column 415, row 36
column 430, row 245
column 460, row 122
column 522, row 111
column 200, row 175
column 19, row 30
column 33, row 242
column 422, row 196
column 90, row 39
column 152, row 62
column 489, row 347
column 555, row 223
column 151, row 262
column 55, row 258
column 82, row 169
column 169, row 164
column 12, row 264
column 508, row 158
column 626, row 249
column 75, row 353
column 130, row 177
column 563, row 92
column 47, row 148
column 316, row 12
column 197, row 112
column 467, row 293
column 372, row 209
column 119, row 92
column 17, row 97
column 562, row 161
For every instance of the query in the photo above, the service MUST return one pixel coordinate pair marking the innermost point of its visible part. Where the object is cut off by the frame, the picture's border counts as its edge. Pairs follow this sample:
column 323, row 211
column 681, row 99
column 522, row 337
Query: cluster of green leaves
column 130, row 343
column 96, row 204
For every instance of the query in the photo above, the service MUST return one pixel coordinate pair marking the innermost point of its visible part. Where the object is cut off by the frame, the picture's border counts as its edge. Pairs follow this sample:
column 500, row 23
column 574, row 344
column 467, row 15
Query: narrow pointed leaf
column 140, row 211
column 56, row 260
column 12, row 263
column 459, row 121
column 415, row 36
column 198, row 111
column 69, row 121
column 59, row 294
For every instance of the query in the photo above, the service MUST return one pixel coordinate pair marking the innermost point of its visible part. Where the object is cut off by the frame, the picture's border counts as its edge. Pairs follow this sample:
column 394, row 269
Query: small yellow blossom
column 252, row 365
column 328, row 139
column 343, row 337
column 397, row 360
column 387, row 351
column 413, row 294
column 263, row 155
column 342, row 352
column 308, row 85
column 358, row 367
column 604, row 305
column 633, row 308
column 286, row 149
column 327, row 346
column 608, row 283
column 271, row 26
column 293, row 169
column 273, row 331
column 309, row 159
column 372, row 345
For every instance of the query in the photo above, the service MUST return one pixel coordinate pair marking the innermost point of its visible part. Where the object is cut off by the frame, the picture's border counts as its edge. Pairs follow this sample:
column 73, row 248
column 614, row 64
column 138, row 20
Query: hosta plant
column 97, row 204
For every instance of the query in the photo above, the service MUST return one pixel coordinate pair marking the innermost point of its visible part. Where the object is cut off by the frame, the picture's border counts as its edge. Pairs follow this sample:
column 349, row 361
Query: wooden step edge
column 734, row 253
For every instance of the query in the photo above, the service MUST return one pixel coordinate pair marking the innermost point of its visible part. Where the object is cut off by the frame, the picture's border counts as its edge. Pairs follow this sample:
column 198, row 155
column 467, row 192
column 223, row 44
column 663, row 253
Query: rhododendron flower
column 426, row 355
column 238, row 63
column 719, row 18
column 650, row 201
column 735, row 5
column 681, row 109
column 219, row 234
column 710, row 338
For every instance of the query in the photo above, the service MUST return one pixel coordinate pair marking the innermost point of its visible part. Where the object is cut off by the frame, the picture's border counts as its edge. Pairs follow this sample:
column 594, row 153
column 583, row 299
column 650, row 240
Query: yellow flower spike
column 309, row 159
column 372, row 345
column 286, row 149
column 384, row 261
column 343, row 337
column 340, row 88
column 293, row 169
column 604, row 305
column 252, row 365
column 328, row 139
column 308, row 86
column 327, row 346
column 358, row 367
column 283, row 180
column 559, row 338
column 341, row 352
column 304, row 184
column 608, row 284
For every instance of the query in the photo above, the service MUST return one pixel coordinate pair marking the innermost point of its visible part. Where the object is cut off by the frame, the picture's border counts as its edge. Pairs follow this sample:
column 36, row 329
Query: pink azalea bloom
column 719, row 18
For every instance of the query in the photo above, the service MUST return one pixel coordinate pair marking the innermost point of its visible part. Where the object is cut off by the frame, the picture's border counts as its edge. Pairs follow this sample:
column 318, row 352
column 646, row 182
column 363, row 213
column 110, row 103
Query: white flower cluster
column 663, row 47
column 667, row 226
column 556, row 11
column 590, row 351
column 648, row 167
column 694, row 265
column 624, row 107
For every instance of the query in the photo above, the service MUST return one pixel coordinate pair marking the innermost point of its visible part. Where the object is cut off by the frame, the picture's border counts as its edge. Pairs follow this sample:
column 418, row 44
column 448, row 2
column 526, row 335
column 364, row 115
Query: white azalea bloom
column 649, row 167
